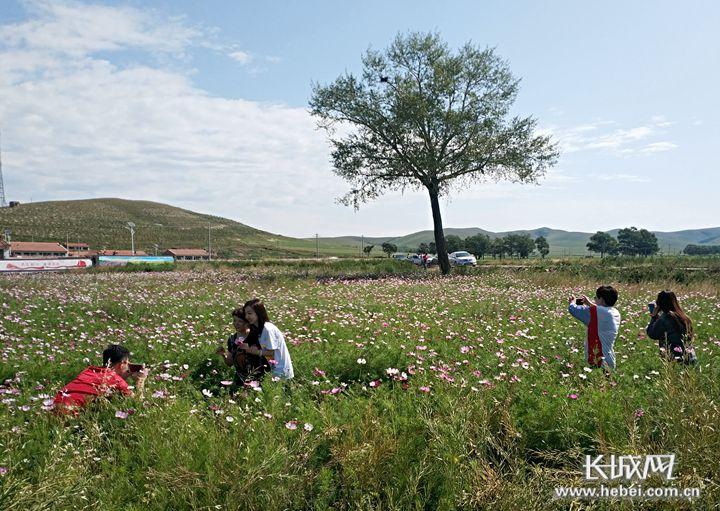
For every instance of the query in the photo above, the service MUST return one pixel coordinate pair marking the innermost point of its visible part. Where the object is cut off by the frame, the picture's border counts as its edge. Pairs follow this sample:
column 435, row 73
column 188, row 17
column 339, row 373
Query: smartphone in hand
column 136, row 368
column 651, row 307
column 579, row 301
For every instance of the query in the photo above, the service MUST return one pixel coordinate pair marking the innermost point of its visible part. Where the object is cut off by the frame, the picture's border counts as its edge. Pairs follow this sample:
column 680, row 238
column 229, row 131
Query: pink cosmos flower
column 291, row 425
column 572, row 396
column 308, row 427
column 318, row 372
column 121, row 415
column 375, row 383
column 424, row 389
column 332, row 391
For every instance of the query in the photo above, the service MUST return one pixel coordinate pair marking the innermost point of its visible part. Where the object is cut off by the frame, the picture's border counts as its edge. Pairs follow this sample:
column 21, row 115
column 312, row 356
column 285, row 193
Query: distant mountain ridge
column 561, row 242
column 102, row 224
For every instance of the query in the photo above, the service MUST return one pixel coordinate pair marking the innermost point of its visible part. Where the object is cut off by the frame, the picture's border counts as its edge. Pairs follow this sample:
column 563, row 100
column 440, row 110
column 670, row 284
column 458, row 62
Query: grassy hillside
column 567, row 242
column 101, row 223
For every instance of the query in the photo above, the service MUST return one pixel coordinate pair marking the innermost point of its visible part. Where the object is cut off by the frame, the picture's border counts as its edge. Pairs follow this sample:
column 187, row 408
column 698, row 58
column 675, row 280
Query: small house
column 36, row 249
column 188, row 254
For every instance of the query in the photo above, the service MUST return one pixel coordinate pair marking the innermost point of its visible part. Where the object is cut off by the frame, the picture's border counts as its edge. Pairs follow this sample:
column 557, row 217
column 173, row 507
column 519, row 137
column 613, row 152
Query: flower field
column 411, row 392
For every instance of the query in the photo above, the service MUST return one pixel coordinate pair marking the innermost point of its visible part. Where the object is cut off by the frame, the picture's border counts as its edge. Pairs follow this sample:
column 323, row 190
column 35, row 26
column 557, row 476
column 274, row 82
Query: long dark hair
column 668, row 303
column 262, row 315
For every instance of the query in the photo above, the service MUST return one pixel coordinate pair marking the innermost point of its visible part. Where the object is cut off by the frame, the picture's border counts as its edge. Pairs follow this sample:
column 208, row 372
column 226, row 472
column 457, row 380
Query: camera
column 136, row 368
column 579, row 301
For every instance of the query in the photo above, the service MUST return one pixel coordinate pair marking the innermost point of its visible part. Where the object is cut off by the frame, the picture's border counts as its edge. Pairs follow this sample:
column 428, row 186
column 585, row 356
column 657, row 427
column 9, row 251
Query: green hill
column 561, row 242
column 102, row 224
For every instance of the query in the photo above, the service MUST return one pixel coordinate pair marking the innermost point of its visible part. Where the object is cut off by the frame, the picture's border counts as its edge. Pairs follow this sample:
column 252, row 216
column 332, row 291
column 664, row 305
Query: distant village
column 22, row 256
column 47, row 250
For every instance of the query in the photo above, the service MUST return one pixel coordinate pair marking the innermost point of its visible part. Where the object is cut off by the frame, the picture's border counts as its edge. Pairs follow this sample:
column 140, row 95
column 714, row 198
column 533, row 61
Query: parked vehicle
column 462, row 258
column 415, row 259
column 400, row 257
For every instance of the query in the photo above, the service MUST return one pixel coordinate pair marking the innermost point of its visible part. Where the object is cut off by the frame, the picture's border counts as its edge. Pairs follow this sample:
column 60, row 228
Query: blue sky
column 203, row 105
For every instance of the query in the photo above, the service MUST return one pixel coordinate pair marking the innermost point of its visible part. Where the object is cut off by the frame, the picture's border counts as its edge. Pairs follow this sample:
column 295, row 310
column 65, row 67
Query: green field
column 412, row 391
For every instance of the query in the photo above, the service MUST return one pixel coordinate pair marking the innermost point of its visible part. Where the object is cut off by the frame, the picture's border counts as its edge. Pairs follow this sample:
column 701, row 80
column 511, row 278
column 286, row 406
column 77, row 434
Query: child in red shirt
column 101, row 381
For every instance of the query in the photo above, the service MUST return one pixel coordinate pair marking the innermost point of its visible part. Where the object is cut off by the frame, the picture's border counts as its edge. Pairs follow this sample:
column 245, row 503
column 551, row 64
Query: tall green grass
column 480, row 441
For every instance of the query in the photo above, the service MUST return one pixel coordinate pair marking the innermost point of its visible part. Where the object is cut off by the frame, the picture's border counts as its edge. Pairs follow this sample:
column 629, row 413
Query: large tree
column 453, row 243
column 633, row 241
column 542, row 245
column 421, row 116
column 602, row 243
column 521, row 245
column 389, row 248
column 478, row 244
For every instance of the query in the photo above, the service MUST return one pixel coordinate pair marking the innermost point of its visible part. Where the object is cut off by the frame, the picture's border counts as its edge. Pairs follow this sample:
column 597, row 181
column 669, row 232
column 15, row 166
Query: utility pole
column 209, row 244
column 131, row 227
column 156, row 248
column 362, row 244
column 161, row 234
column 317, row 246
column 3, row 202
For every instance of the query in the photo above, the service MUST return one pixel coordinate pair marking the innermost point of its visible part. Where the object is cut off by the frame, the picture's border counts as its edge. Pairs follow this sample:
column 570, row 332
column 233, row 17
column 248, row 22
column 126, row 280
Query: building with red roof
column 36, row 249
column 188, row 254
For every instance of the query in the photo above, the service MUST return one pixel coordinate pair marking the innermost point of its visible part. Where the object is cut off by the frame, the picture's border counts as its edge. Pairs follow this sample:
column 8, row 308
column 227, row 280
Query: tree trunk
column 441, row 247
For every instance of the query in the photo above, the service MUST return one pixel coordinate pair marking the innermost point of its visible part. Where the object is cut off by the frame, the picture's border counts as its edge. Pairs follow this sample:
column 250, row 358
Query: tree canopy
column 542, row 245
column 389, row 248
column 421, row 116
column 602, row 243
column 632, row 241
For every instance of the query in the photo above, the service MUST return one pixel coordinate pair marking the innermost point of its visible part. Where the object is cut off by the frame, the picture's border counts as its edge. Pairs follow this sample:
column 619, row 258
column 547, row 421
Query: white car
column 462, row 258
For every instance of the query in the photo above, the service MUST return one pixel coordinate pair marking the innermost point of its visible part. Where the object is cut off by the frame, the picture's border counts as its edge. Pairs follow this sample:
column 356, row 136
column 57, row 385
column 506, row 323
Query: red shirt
column 93, row 381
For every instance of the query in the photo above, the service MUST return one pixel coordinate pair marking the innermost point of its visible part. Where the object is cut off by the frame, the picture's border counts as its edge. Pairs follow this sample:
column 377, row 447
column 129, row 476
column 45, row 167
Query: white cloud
column 658, row 147
column 242, row 57
column 606, row 136
column 77, row 125
column 80, row 29
column 627, row 178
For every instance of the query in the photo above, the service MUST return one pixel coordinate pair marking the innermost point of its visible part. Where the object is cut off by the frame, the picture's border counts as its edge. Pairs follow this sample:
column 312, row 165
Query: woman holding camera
column 671, row 327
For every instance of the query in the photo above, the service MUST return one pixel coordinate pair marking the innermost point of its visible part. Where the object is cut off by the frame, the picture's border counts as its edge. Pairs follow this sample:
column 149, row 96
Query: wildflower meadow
column 412, row 391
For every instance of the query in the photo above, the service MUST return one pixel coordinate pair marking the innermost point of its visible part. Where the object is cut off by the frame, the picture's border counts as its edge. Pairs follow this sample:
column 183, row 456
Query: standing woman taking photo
column 272, row 341
column 672, row 328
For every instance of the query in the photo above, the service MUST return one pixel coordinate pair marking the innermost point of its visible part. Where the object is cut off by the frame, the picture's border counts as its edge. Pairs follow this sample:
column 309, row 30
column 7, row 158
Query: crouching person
column 272, row 344
column 602, row 320
column 102, row 381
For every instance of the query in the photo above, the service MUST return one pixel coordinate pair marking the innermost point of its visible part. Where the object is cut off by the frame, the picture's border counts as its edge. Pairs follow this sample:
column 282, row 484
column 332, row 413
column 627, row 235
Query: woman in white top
column 272, row 341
